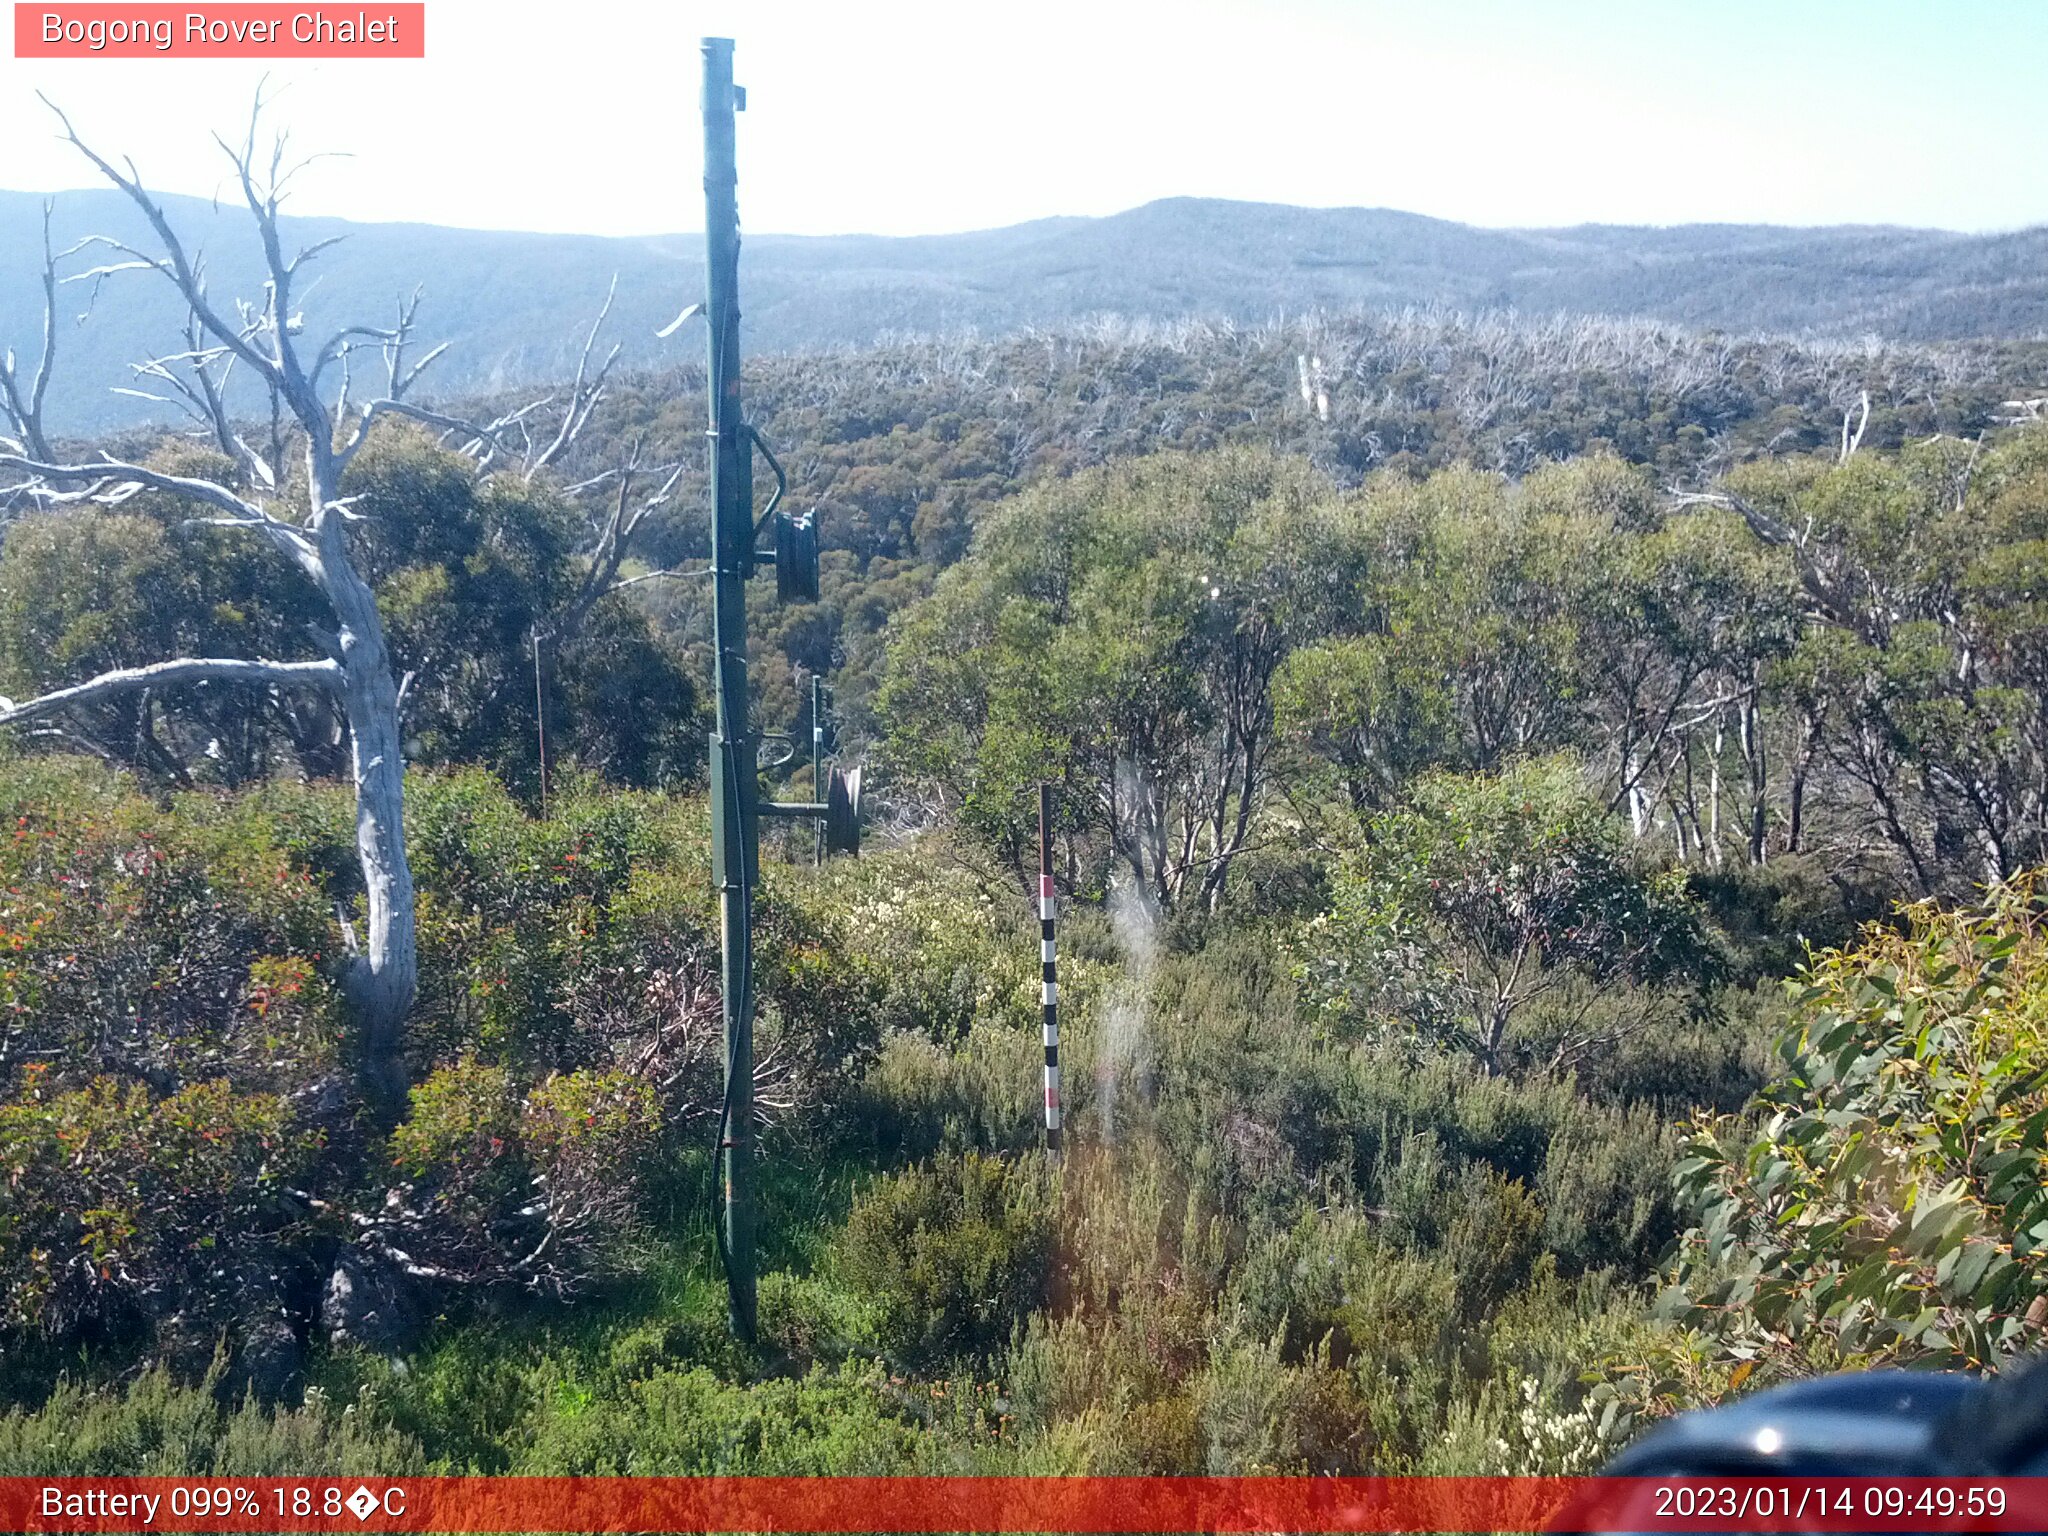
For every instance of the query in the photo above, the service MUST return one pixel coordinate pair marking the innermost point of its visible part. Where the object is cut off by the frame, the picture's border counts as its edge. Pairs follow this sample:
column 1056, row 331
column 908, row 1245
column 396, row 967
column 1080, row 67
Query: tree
column 1916, row 684
column 21, row 403
column 1122, row 632
column 474, row 574
column 1682, row 622
column 296, row 495
column 1505, row 916
column 1464, row 649
column 90, row 590
column 303, row 518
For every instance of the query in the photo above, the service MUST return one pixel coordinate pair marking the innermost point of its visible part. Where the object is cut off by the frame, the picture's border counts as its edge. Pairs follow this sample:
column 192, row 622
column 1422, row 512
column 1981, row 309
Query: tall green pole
column 734, row 845
column 818, row 763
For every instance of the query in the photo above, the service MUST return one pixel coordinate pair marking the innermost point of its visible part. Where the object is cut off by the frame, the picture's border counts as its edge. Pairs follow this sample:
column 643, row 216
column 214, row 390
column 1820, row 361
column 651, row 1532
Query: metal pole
column 1047, row 915
column 734, row 827
column 540, row 720
column 818, row 761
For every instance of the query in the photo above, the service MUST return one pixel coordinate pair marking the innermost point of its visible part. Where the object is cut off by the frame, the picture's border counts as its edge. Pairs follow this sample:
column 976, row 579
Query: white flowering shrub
column 1542, row 1440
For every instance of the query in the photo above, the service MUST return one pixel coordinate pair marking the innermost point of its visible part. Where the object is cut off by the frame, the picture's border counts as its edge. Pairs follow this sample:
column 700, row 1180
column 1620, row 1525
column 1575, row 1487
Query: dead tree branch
column 191, row 669
column 24, row 408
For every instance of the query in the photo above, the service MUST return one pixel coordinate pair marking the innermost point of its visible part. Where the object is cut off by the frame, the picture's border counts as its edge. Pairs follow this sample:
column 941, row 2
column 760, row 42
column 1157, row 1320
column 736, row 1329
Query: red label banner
column 223, row 31
column 1019, row 1504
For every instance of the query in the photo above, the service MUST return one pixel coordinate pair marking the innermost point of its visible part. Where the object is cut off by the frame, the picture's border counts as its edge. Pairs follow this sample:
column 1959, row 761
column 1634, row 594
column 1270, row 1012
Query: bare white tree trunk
column 1713, row 840
column 384, row 978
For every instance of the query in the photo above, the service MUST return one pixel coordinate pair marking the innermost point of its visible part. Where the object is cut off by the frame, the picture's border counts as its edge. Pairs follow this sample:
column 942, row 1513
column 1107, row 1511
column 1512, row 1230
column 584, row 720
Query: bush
column 1893, row 1204
column 930, row 942
column 1494, row 913
column 1773, row 915
column 688, row 1423
column 1261, row 1416
column 950, row 1255
column 163, row 947
column 156, row 1427
column 920, row 1096
column 537, row 1191
column 123, row 1207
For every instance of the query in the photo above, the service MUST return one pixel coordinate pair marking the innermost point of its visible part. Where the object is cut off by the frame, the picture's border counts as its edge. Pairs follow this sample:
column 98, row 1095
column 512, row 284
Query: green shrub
column 1489, row 912
column 1770, row 916
column 535, row 1190
column 935, row 948
column 1261, row 1416
column 1893, row 1205
column 157, row 1427
column 950, row 1255
column 129, row 937
column 688, row 1423
column 921, row 1095
column 123, row 1206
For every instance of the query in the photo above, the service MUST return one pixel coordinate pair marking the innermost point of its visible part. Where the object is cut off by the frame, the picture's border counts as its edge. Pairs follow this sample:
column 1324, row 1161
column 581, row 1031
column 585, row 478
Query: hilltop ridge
column 514, row 305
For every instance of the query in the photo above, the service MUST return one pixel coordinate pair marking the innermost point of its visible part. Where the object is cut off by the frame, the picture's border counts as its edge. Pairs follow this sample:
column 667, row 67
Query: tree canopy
column 467, row 574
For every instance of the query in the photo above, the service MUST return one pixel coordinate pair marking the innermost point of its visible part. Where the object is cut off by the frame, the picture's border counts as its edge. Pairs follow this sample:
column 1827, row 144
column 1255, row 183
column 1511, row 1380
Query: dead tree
column 616, row 502
column 21, row 405
column 304, row 523
column 1851, row 441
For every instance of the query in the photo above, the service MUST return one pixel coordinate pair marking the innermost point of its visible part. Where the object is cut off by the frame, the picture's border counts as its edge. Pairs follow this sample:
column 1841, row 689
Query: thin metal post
column 1048, row 956
column 540, row 720
column 818, row 761
column 734, row 851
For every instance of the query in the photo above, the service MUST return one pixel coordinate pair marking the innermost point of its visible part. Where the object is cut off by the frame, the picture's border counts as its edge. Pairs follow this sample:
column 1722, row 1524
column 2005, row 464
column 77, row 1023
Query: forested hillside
column 1546, row 816
column 902, row 449
column 506, row 300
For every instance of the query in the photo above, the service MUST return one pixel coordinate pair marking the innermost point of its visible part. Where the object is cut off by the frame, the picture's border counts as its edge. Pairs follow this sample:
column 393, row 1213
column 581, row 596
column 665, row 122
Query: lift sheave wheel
column 796, row 557
column 842, row 811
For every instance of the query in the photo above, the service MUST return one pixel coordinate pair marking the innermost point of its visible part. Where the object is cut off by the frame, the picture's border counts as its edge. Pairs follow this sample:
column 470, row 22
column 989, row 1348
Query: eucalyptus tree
column 1507, row 916
column 545, row 559
column 1464, row 648
column 1121, row 633
column 1916, row 685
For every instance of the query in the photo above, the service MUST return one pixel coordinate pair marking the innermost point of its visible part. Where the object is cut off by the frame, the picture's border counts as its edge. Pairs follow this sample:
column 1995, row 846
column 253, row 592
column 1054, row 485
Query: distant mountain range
column 514, row 306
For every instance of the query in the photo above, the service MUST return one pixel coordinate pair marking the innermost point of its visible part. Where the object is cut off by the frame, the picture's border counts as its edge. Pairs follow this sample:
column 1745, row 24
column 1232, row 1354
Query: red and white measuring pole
column 1048, row 956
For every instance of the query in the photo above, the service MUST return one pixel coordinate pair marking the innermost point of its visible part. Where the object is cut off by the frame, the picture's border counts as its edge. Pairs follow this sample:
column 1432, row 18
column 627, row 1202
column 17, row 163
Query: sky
column 915, row 117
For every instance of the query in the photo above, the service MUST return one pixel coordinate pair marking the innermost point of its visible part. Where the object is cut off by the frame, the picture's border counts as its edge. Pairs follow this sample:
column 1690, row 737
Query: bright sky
column 911, row 117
